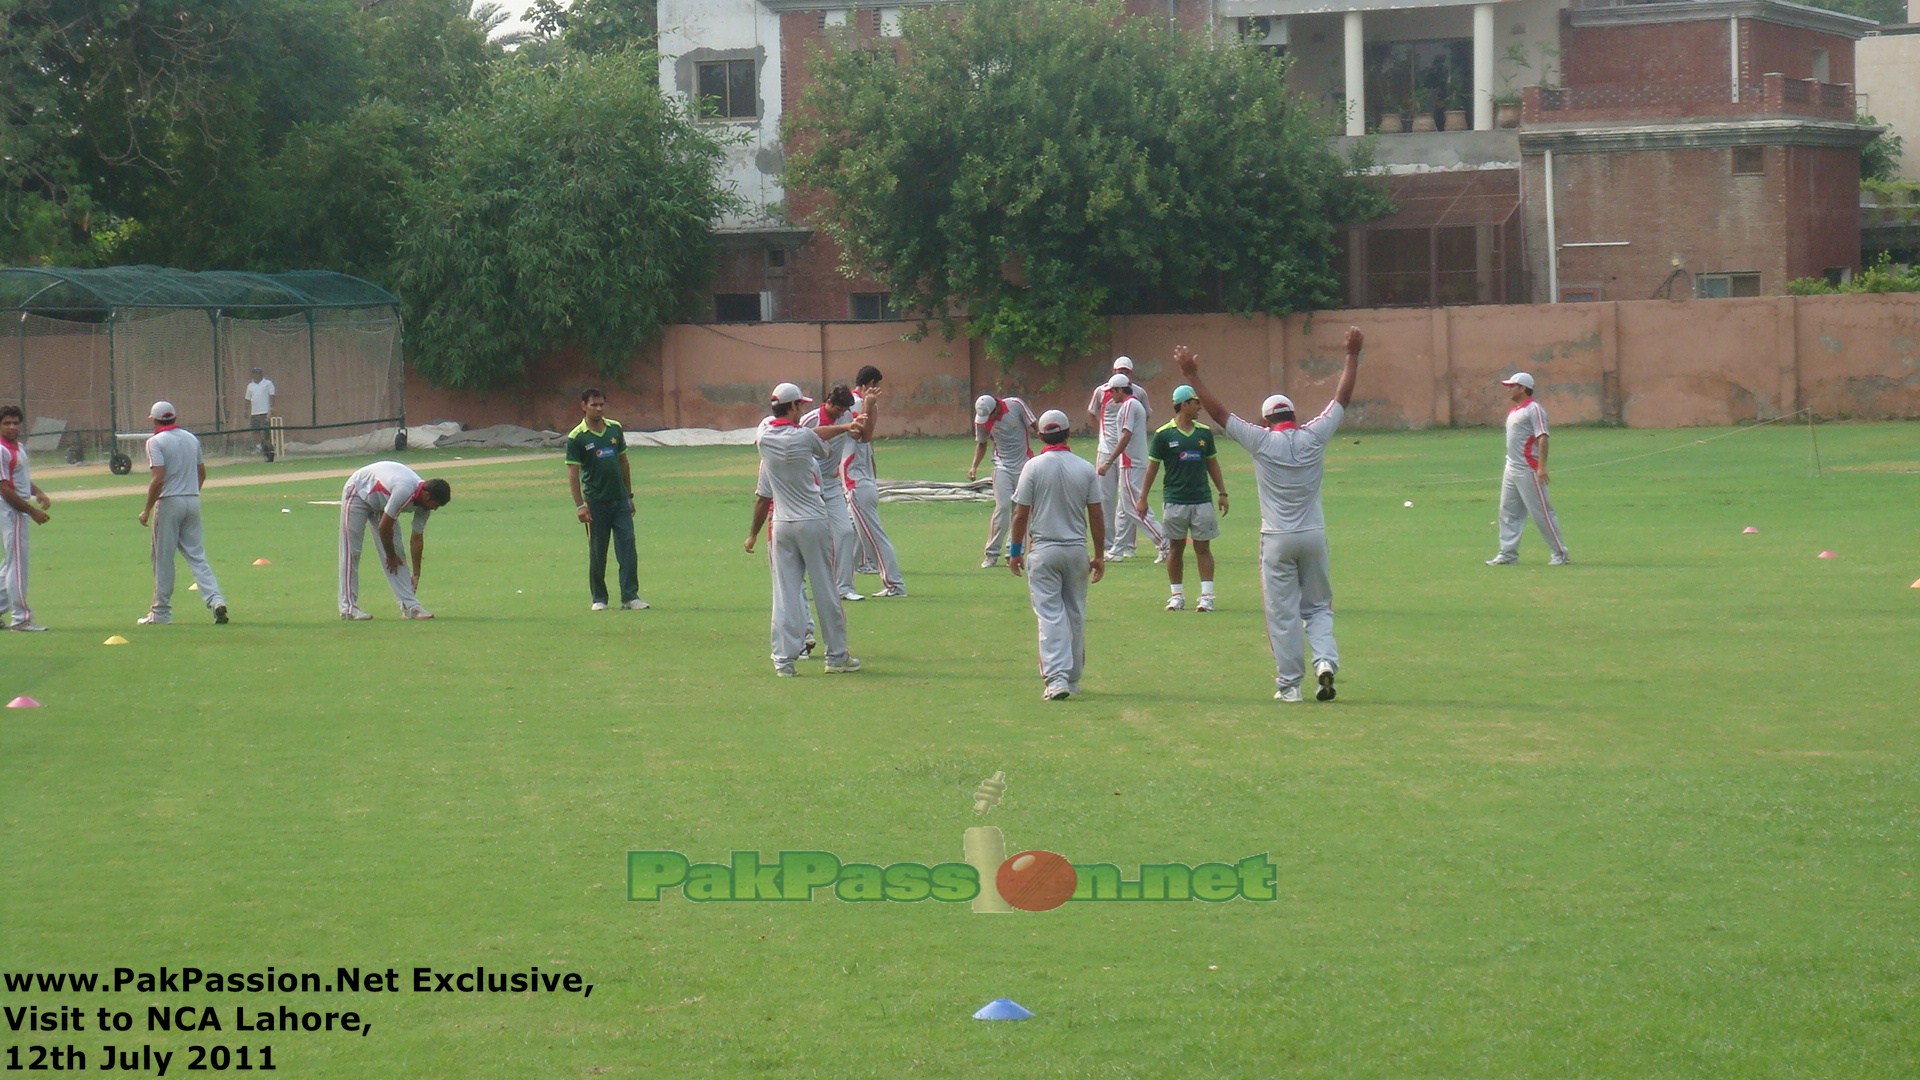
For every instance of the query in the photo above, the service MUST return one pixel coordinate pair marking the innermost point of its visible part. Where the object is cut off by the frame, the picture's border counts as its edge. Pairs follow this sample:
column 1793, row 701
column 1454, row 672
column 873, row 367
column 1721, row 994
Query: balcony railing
column 1774, row 95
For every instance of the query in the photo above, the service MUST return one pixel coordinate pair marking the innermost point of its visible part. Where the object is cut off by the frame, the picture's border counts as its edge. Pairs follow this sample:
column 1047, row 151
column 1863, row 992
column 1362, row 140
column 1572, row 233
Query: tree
column 1035, row 166
column 574, row 204
column 596, row 26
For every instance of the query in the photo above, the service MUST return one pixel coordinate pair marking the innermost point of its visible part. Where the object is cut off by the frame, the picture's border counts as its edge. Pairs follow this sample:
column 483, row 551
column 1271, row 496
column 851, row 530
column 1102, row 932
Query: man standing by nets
column 601, row 482
column 18, row 497
column 173, row 512
column 260, row 409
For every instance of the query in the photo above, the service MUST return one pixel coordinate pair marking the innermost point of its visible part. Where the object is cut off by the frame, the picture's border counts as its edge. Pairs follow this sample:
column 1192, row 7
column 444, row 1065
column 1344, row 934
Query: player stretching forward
column 1288, row 460
column 1186, row 447
column 1523, row 483
column 863, row 491
column 1010, row 426
column 1057, row 506
column 381, row 492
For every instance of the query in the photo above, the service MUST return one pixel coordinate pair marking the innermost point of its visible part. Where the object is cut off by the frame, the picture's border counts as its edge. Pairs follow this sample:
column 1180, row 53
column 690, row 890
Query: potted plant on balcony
column 1458, row 93
column 1423, row 102
column 1391, row 122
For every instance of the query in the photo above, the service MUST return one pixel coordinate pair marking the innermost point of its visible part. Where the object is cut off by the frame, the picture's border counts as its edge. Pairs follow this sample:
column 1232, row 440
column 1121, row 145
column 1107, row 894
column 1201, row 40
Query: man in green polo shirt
column 602, row 486
column 1184, row 448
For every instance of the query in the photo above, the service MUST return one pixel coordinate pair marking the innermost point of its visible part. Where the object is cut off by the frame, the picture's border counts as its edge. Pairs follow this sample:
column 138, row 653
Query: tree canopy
column 1035, row 165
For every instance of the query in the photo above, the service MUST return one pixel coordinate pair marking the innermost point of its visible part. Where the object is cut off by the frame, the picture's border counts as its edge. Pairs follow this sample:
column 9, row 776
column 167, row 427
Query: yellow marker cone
column 1915, row 585
column 262, row 562
column 195, row 587
column 115, row 640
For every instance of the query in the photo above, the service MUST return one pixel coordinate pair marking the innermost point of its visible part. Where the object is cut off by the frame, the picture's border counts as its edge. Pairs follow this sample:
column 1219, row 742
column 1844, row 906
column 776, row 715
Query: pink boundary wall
column 1653, row 363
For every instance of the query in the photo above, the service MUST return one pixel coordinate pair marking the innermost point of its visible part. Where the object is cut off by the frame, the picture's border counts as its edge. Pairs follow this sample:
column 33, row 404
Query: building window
column 1837, row 276
column 776, row 262
column 1822, row 67
column 736, row 307
column 871, row 306
column 833, row 17
column 889, row 22
column 1579, row 295
column 1749, row 161
column 727, row 89
column 1418, row 77
column 1721, row 286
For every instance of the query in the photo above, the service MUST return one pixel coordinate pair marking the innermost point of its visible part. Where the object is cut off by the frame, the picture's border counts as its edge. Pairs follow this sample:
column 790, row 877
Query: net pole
column 219, row 405
column 1813, row 439
column 313, row 373
column 113, row 387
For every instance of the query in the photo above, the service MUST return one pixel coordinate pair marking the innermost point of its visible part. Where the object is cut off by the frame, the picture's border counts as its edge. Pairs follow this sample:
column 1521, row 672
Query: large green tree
column 1035, row 165
column 574, row 204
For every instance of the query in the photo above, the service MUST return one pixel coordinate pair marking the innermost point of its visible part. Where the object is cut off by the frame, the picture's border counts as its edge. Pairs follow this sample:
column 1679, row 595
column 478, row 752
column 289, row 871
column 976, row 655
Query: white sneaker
column 1287, row 693
column 989, row 562
column 1323, row 672
column 1206, row 602
column 1559, row 560
column 851, row 596
column 636, row 604
column 1055, row 692
column 1160, row 558
column 1502, row 560
column 28, row 627
column 417, row 613
column 844, row 667
column 1114, row 556
column 897, row 590
column 599, row 605
column 355, row 615
column 150, row 619
column 784, row 671
column 1176, row 603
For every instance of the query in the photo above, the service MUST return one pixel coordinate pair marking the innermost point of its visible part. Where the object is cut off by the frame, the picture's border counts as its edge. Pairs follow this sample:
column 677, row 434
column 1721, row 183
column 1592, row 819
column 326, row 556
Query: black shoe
column 220, row 615
column 1325, row 693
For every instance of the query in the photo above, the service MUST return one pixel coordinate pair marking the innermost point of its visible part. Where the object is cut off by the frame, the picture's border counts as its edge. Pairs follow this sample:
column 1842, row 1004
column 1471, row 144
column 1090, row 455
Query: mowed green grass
column 1652, row 814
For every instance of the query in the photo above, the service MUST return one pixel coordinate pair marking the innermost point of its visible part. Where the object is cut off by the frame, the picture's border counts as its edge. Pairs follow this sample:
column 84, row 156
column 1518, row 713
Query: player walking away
column 1103, row 409
column 173, row 505
column 18, row 496
column 260, row 409
column 833, row 490
column 863, row 492
column 789, row 488
column 1126, row 457
column 1056, row 507
column 1288, row 460
column 380, row 493
column 1523, row 483
column 601, row 482
column 1009, row 426
column 1186, row 448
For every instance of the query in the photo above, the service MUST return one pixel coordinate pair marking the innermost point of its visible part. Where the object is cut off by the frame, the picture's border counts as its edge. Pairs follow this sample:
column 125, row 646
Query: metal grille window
column 728, row 89
column 871, row 306
column 1749, row 161
column 1718, row 286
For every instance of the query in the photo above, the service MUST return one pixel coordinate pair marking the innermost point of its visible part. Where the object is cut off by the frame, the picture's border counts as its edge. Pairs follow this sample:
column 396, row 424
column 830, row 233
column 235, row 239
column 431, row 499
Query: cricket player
column 789, row 488
column 173, row 507
column 1126, row 460
column 259, row 394
column 1186, row 448
column 1523, row 483
column 1056, row 508
column 833, row 489
column 863, row 490
column 601, row 483
column 380, row 493
column 1295, row 579
column 18, row 499
column 1009, row 426
column 1103, row 409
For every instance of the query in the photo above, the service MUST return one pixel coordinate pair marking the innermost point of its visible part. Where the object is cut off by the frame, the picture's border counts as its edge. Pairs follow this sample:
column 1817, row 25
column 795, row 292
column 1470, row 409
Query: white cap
column 1123, row 363
column 162, row 410
column 1054, row 420
column 983, row 407
column 787, row 393
column 1520, row 378
column 1274, row 404
column 1119, row 382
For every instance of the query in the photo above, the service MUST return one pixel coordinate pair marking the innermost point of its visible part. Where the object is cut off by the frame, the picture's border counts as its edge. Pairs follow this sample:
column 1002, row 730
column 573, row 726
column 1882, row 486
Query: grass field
column 1652, row 814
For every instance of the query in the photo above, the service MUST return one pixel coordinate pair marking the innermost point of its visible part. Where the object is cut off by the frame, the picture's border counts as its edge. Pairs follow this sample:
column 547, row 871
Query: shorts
column 1189, row 521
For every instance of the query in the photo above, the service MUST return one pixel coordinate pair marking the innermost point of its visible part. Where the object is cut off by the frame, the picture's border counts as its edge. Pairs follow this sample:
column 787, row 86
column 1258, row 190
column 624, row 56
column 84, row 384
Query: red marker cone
column 262, row 562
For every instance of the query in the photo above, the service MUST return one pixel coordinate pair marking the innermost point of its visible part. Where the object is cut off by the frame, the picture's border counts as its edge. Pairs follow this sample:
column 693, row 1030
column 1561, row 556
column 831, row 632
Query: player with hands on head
column 1289, row 460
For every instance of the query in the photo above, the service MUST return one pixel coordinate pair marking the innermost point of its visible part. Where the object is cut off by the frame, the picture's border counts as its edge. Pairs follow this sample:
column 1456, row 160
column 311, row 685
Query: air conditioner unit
column 1264, row 30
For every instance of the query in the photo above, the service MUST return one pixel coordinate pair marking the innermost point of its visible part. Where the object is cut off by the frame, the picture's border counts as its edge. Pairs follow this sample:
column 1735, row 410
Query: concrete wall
column 1642, row 363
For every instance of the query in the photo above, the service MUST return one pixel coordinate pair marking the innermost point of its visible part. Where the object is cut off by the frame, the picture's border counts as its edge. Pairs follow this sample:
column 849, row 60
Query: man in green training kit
column 602, row 486
column 1184, row 446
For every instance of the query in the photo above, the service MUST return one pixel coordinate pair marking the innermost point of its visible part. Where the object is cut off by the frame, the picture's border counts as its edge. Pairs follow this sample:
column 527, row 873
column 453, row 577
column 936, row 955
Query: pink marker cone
column 1828, row 555
column 23, row 702
column 1915, row 585
column 1749, row 529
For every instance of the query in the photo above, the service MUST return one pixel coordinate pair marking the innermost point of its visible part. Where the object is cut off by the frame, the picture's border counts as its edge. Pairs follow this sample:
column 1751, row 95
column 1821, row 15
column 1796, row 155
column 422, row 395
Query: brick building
column 1703, row 145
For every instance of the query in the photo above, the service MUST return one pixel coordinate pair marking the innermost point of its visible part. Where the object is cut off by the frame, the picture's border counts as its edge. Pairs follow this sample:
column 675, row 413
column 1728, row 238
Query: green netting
column 90, row 350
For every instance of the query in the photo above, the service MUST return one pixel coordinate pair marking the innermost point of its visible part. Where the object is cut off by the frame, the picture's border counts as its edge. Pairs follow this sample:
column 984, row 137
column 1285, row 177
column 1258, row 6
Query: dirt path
column 80, row 494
